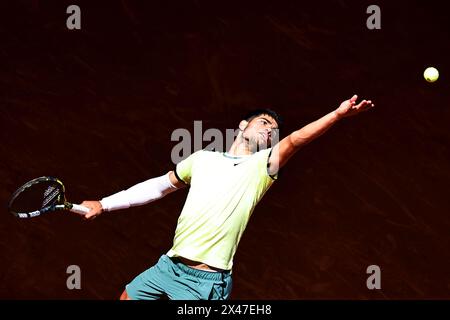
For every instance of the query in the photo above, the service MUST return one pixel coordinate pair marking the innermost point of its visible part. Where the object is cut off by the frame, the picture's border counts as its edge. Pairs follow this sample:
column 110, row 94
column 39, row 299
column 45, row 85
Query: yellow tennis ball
column 431, row 74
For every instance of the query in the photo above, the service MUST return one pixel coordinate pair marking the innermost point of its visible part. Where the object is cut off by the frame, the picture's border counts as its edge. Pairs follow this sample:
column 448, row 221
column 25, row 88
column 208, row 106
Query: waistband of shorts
column 210, row 275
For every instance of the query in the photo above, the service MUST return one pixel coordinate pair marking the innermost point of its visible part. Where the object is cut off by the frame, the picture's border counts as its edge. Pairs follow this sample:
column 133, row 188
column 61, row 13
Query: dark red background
column 97, row 107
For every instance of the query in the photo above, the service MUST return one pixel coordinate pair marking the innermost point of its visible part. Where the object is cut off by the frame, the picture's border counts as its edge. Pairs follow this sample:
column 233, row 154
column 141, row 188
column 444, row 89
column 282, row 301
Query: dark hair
column 257, row 112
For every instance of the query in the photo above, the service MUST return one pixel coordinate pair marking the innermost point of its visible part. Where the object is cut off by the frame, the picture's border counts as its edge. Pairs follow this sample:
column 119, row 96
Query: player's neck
column 240, row 147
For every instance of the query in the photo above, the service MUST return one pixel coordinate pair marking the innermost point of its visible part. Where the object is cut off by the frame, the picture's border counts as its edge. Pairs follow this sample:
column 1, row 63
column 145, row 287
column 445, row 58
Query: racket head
column 36, row 197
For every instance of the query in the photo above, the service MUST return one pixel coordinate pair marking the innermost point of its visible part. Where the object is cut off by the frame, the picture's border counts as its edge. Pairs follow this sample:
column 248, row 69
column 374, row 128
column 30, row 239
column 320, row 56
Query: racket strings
column 37, row 196
column 51, row 195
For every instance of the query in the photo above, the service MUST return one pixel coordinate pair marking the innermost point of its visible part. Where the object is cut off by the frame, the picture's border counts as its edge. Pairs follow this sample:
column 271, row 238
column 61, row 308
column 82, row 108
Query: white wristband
column 139, row 194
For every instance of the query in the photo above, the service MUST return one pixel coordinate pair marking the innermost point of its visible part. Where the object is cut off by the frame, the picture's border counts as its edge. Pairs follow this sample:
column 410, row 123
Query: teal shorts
column 171, row 278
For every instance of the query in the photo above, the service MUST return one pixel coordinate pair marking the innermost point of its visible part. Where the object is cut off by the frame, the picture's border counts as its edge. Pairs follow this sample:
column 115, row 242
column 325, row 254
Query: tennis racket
column 39, row 196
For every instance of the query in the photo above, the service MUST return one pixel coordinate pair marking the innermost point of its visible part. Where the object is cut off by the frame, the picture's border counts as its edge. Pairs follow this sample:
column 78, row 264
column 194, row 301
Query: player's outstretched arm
column 287, row 147
column 139, row 194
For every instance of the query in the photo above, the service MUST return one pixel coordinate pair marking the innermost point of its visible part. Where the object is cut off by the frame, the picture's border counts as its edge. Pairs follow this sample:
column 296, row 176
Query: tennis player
column 224, row 189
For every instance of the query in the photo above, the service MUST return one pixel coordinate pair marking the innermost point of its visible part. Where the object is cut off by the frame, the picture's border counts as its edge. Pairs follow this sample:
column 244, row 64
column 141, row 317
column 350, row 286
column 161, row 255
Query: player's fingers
column 92, row 217
column 366, row 105
column 84, row 203
column 369, row 105
column 353, row 99
column 91, row 214
column 94, row 209
column 88, row 215
column 361, row 105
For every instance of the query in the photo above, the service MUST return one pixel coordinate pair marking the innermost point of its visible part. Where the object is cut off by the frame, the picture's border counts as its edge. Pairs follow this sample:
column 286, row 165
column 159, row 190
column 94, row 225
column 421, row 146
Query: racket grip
column 79, row 209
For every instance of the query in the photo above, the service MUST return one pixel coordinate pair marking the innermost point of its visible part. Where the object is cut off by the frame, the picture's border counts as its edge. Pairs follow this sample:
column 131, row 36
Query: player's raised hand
column 350, row 108
column 95, row 209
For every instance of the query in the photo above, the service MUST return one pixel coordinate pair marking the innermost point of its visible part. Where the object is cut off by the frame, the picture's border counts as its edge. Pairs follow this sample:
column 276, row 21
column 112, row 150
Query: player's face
column 260, row 131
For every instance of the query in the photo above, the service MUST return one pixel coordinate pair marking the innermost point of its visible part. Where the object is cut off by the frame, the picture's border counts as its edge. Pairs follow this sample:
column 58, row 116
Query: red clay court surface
column 96, row 108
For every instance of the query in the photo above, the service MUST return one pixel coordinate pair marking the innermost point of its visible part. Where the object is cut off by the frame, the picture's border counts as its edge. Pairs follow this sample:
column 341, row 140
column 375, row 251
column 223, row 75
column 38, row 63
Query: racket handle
column 79, row 209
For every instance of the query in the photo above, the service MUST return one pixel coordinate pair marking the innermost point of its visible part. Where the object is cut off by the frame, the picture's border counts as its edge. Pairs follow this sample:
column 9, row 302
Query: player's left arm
column 287, row 147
